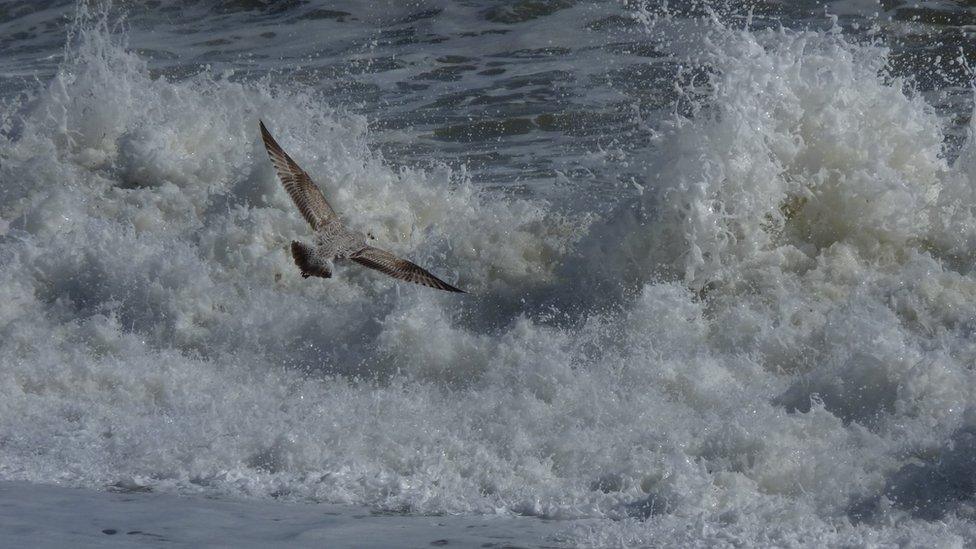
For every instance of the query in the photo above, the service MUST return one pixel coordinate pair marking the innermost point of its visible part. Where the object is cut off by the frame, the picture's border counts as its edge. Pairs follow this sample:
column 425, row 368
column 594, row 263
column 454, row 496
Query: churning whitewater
column 730, row 300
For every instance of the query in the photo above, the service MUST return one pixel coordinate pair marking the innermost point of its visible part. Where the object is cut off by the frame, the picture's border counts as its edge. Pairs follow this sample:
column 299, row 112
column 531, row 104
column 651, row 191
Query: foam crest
column 808, row 145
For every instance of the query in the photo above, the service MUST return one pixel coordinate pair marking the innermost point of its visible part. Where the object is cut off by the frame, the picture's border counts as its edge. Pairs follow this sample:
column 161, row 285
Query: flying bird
column 332, row 240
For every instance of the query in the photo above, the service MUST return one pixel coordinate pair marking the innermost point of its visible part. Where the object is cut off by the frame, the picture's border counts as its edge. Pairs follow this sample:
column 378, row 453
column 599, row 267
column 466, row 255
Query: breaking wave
column 772, row 343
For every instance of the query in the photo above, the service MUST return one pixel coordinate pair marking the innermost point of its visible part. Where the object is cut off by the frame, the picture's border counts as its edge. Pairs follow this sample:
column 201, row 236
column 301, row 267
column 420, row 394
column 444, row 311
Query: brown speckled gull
column 332, row 240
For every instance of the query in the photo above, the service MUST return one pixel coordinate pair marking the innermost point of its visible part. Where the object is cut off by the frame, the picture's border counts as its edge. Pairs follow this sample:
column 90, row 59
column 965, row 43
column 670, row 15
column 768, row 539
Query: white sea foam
column 788, row 360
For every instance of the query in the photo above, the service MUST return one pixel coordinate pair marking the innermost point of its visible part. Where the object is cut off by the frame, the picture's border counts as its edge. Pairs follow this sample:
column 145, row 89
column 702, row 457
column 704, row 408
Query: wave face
column 721, row 267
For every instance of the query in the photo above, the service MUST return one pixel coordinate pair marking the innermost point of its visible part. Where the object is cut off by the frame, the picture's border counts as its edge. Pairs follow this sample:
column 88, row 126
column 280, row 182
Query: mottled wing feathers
column 304, row 193
column 387, row 263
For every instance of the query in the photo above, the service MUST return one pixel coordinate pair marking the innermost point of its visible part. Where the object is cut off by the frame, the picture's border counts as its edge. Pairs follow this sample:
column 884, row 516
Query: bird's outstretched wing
column 387, row 263
column 304, row 193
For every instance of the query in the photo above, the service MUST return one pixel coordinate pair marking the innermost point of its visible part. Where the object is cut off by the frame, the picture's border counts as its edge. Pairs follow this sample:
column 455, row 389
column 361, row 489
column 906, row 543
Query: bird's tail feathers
column 303, row 259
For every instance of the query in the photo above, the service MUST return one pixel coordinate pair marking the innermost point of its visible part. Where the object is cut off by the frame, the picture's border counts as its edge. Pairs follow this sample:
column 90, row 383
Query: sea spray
column 770, row 345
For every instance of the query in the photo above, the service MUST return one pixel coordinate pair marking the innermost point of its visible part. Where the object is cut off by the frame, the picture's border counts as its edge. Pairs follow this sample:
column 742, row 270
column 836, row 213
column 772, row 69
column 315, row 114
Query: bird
column 333, row 241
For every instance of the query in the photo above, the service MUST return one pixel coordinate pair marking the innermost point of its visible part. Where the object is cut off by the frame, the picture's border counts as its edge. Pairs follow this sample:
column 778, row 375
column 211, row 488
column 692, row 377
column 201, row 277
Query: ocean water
column 720, row 261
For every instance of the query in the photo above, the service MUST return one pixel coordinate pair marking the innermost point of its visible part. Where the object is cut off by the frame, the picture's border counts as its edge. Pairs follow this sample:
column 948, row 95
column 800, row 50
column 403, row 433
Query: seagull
column 332, row 240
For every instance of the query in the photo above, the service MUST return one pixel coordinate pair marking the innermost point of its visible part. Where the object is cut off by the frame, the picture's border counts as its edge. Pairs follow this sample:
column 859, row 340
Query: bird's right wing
column 304, row 193
column 387, row 263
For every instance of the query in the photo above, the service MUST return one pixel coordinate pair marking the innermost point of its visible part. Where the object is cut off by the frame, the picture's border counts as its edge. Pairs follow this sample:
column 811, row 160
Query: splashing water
column 772, row 344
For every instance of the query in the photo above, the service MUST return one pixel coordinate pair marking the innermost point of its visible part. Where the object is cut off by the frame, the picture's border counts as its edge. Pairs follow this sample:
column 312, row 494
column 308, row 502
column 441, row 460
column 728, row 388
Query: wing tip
column 453, row 289
column 265, row 134
column 270, row 143
column 435, row 283
column 438, row 284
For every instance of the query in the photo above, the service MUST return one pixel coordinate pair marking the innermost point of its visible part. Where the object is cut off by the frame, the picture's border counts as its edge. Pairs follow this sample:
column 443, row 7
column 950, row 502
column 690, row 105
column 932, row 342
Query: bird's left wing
column 303, row 191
